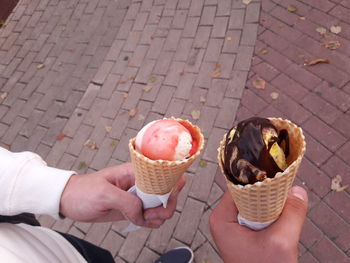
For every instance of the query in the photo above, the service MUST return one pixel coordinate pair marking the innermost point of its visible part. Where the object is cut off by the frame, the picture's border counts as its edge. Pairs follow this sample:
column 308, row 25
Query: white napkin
column 148, row 201
column 253, row 225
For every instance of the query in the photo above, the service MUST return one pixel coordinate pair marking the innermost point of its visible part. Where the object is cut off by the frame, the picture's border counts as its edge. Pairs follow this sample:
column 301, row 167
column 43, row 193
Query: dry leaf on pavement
column 332, row 45
column 292, row 8
column 108, row 128
column 147, row 88
column 60, row 136
column 316, row 61
column 81, row 165
column 202, row 163
column 229, row 38
column 274, row 95
column 152, row 79
column 217, row 72
column 91, row 144
column 133, row 112
column 336, row 184
column 264, row 51
column 141, row 117
column 3, row 95
column 40, row 66
column 321, row 30
column 202, row 99
column 113, row 143
column 335, row 29
column 195, row 114
column 259, row 83
column 246, row 2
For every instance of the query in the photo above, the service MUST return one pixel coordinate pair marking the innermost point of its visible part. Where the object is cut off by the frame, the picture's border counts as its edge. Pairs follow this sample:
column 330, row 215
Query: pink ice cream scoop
column 165, row 139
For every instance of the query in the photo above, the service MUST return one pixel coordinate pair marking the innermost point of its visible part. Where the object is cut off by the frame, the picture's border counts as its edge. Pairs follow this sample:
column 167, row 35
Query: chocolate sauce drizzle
column 250, row 146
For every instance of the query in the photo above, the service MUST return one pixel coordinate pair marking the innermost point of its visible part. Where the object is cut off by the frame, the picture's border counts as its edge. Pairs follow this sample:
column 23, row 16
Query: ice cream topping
column 165, row 139
column 254, row 150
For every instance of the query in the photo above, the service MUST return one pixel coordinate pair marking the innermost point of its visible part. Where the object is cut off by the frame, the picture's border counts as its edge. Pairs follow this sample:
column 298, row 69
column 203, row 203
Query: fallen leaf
column 152, row 79
column 202, row 99
column 60, row 136
column 259, row 83
column 335, row 29
column 132, row 77
column 301, row 57
column 121, row 82
column 141, row 117
column 274, row 95
column 292, row 8
column 113, row 143
column 108, row 128
column 321, row 30
column 332, row 45
column 302, row 18
column 133, row 112
column 202, row 163
column 125, row 95
column 316, row 61
column 229, row 38
column 217, row 72
column 40, row 66
column 264, row 51
column 246, row 2
column 2, row 23
column 148, row 88
column 3, row 95
column 336, row 184
column 81, row 165
column 91, row 144
column 195, row 114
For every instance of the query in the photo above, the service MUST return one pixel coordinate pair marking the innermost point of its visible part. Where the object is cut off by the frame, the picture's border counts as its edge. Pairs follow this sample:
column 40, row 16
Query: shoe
column 176, row 255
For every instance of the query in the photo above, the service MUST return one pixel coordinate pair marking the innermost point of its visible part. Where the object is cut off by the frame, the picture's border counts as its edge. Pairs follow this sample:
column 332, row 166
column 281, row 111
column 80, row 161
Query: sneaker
column 176, row 255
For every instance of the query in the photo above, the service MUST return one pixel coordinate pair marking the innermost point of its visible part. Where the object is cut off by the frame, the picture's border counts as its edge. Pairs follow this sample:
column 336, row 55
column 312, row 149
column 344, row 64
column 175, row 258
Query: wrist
column 66, row 196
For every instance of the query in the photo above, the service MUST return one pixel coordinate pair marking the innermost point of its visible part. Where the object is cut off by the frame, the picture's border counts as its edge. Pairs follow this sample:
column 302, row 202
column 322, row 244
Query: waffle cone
column 264, row 201
column 160, row 176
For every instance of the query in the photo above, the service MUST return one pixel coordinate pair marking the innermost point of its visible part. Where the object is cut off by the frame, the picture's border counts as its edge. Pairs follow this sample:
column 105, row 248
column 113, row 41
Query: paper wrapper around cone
column 264, row 201
column 160, row 176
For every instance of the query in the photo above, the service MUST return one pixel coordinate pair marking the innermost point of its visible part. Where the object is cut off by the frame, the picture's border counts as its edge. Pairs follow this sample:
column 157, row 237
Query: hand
column 155, row 217
column 102, row 196
column 277, row 243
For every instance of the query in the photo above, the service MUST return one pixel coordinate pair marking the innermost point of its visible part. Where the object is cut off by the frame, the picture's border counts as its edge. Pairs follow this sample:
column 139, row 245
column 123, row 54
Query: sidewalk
column 101, row 69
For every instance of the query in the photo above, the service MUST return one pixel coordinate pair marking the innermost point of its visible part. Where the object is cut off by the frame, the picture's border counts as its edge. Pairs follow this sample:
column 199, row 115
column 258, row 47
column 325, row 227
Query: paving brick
column 66, row 162
column 339, row 202
column 112, row 242
column 249, row 34
column 253, row 102
column 220, row 27
column 147, row 255
column 225, row 62
column 119, row 124
column 74, row 122
column 51, row 114
column 172, row 40
column 326, row 219
column 97, row 232
column 127, row 79
column 155, row 48
column 216, row 92
column 305, row 78
column 236, row 19
column 329, row 137
column 236, row 84
column 174, row 75
column 145, row 71
column 103, row 72
column 133, row 244
column 227, row 113
column 316, row 152
column 62, row 225
column 143, row 108
column 343, row 152
column 175, row 107
column 113, row 105
column 185, row 85
column 210, row 153
column 336, row 166
column 207, row 119
column 122, row 151
column 202, row 37
column 322, row 108
column 195, row 59
column 243, row 59
column 310, row 174
column 342, row 125
column 208, row 16
column 189, row 220
column 30, row 124
column 224, row 8
column 80, row 137
column 163, row 63
column 204, row 226
column 140, row 21
column 89, row 96
column 196, row 8
column 134, row 95
column 163, row 99
column 179, row 20
column 14, row 111
column 159, row 238
column 213, row 50
column 307, row 258
column 202, row 182
column 57, row 151
column 191, row 26
column 138, row 56
column 205, row 75
column 183, row 51
column 207, row 253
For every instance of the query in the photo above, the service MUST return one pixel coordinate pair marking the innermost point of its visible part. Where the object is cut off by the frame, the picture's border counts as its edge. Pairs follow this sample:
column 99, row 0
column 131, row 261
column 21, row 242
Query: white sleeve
column 27, row 184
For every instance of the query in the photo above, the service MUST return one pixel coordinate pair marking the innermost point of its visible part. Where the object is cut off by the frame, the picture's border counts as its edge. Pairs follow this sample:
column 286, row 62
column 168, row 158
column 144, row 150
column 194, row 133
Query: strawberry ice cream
column 165, row 139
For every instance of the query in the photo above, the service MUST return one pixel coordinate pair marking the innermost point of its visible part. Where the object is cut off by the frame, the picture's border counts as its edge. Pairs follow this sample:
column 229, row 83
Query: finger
column 166, row 213
column 121, row 175
column 292, row 218
column 226, row 210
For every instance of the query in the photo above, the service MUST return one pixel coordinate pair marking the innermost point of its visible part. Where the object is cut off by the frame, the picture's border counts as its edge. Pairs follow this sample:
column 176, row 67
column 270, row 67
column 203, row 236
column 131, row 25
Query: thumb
column 292, row 218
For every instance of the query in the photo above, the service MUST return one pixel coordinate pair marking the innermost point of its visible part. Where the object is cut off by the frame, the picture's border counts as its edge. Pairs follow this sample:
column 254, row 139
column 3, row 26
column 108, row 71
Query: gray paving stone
column 207, row 253
column 133, row 244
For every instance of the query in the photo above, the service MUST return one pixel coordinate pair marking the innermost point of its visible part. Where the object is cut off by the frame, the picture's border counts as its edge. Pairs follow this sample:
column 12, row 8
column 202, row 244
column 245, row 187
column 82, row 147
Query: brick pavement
column 84, row 68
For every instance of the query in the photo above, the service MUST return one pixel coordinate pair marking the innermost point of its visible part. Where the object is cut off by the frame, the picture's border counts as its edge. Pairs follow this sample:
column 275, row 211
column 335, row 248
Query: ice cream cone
column 264, row 201
column 160, row 176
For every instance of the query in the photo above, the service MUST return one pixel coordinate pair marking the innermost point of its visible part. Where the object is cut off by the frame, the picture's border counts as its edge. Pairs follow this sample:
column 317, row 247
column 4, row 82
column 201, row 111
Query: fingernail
column 298, row 192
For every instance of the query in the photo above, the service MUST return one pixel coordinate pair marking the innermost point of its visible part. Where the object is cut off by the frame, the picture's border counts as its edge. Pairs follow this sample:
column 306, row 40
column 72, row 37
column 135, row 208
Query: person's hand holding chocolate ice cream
column 277, row 243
